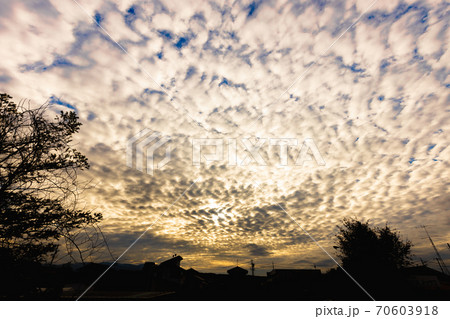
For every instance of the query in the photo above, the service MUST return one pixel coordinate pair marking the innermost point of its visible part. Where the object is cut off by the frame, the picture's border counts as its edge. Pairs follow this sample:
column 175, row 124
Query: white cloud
column 370, row 103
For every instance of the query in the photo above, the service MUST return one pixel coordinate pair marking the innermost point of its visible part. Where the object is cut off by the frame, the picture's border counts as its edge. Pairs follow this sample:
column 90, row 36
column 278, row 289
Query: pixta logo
column 141, row 150
column 251, row 152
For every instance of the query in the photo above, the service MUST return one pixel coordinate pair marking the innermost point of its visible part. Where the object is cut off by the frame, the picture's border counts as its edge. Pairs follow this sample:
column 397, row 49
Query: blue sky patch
column 91, row 116
column 165, row 34
column 190, row 72
column 55, row 100
column 182, row 42
column 224, row 82
column 252, row 8
column 430, row 147
column 98, row 18
column 61, row 62
column 354, row 67
column 151, row 92
column 130, row 16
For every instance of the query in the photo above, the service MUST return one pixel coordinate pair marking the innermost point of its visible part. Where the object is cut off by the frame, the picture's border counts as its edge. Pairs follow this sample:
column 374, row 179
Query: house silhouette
column 237, row 272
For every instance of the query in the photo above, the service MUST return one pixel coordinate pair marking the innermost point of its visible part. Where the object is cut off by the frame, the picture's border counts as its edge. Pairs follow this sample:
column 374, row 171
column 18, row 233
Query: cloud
column 257, row 251
column 374, row 102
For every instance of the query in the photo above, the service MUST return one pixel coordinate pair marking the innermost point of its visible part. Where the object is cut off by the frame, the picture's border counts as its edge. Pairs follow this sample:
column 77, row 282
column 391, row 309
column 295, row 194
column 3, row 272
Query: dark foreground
column 169, row 281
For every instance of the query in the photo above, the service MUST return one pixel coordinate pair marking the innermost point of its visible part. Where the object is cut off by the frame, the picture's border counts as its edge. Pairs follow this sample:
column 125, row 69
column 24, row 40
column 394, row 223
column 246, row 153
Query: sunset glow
column 367, row 83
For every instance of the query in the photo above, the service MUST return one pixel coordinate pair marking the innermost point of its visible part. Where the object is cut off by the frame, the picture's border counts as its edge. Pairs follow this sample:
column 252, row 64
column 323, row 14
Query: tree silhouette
column 38, row 172
column 373, row 255
column 363, row 247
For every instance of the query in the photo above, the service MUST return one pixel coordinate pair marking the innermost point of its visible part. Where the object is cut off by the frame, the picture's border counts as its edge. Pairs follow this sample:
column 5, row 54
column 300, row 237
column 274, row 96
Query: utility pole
column 253, row 267
column 440, row 266
column 423, row 263
column 439, row 258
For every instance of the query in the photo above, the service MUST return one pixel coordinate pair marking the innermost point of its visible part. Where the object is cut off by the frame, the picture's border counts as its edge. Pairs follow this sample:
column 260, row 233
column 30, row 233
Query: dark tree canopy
column 366, row 249
column 38, row 170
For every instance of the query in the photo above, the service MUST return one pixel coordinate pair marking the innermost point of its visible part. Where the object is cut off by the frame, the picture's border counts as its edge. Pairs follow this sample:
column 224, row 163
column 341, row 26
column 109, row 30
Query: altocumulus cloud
column 375, row 103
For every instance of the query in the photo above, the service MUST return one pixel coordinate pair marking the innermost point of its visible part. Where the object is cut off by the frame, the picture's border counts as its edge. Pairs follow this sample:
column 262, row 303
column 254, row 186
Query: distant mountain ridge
column 117, row 266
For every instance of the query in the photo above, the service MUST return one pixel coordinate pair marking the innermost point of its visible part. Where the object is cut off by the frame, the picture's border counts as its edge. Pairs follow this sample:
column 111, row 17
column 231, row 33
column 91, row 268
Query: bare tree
column 39, row 219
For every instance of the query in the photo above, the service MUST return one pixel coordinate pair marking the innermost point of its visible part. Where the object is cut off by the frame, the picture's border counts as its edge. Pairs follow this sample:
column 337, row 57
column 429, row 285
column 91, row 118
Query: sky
column 359, row 90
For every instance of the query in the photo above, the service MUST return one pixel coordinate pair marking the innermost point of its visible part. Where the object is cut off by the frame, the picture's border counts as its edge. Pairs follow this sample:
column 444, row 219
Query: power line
column 439, row 259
